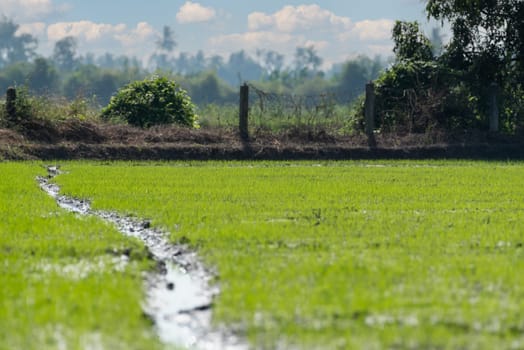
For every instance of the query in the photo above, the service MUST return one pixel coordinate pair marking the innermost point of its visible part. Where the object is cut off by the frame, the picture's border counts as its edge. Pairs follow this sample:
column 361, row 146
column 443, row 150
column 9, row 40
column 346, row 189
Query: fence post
column 493, row 108
column 369, row 111
column 244, row 112
column 10, row 105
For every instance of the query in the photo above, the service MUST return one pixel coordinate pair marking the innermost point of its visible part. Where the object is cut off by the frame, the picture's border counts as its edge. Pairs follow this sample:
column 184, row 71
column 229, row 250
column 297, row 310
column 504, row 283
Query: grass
column 342, row 255
column 62, row 277
column 340, row 119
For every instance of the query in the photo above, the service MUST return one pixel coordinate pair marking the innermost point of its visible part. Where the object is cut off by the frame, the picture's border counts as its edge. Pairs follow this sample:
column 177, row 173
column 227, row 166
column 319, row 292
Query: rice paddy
column 332, row 255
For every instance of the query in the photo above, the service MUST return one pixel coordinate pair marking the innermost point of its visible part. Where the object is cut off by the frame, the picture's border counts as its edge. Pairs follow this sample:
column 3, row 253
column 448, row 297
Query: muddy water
column 179, row 296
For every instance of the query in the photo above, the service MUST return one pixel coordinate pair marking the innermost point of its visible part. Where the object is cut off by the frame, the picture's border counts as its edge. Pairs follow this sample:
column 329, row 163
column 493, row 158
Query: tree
column 419, row 92
column 306, row 62
column 152, row 102
column 43, row 78
column 64, row 53
column 410, row 42
column 486, row 33
column 356, row 73
column 15, row 47
column 165, row 46
column 167, row 42
column 487, row 46
column 272, row 62
column 14, row 74
column 241, row 67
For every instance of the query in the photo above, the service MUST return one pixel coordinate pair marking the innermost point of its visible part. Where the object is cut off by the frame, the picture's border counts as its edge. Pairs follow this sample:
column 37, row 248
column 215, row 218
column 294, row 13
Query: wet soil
column 75, row 139
column 179, row 294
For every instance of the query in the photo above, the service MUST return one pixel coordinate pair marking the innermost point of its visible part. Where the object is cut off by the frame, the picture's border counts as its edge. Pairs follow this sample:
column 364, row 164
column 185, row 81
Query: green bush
column 152, row 102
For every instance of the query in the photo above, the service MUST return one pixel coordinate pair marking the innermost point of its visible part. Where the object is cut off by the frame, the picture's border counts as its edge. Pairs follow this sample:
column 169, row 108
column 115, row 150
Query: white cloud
column 332, row 36
column 99, row 38
column 35, row 28
column 193, row 12
column 83, row 30
column 372, row 30
column 298, row 18
column 251, row 41
column 383, row 50
column 30, row 10
column 143, row 33
column 285, row 43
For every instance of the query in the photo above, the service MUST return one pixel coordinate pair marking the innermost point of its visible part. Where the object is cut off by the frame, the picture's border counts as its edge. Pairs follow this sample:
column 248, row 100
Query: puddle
column 179, row 295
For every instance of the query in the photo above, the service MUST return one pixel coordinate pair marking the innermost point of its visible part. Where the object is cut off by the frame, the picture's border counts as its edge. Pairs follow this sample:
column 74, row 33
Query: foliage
column 212, row 79
column 151, row 102
column 410, row 42
column 89, row 80
column 356, row 73
column 48, row 110
column 422, row 92
column 307, row 62
column 43, row 77
column 417, row 96
column 64, row 53
column 208, row 88
column 14, row 47
column 347, row 255
column 488, row 47
column 409, row 93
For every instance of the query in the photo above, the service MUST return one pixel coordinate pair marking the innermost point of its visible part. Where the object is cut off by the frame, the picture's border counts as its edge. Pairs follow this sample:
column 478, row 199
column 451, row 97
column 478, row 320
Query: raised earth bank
column 85, row 140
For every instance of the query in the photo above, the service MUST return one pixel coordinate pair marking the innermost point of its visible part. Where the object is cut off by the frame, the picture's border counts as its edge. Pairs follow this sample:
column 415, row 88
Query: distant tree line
column 208, row 79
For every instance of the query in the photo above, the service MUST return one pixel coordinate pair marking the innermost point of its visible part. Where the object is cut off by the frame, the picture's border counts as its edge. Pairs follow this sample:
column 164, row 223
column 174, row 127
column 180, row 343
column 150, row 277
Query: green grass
column 340, row 120
column 62, row 284
column 399, row 255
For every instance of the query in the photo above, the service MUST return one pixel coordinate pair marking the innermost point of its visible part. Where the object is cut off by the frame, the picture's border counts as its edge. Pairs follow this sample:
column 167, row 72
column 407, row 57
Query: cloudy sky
column 338, row 29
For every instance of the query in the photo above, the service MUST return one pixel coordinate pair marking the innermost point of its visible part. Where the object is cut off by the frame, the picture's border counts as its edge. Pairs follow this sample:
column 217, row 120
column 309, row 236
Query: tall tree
column 64, row 53
column 165, row 46
column 15, row 47
column 487, row 34
column 167, row 42
column 487, row 47
column 410, row 42
column 43, row 78
column 241, row 67
column 272, row 62
column 307, row 62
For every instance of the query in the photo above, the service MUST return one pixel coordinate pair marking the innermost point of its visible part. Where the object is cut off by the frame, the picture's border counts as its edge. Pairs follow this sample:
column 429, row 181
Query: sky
column 338, row 29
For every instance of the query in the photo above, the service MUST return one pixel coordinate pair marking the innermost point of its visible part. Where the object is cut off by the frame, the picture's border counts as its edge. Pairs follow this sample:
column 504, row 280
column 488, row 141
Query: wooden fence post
column 10, row 105
column 369, row 111
column 493, row 108
column 244, row 112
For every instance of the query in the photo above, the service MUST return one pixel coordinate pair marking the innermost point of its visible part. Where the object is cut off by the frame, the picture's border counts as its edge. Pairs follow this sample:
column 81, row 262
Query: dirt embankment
column 87, row 140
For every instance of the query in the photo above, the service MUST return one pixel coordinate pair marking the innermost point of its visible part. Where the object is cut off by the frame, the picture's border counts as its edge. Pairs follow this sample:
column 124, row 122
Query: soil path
column 179, row 294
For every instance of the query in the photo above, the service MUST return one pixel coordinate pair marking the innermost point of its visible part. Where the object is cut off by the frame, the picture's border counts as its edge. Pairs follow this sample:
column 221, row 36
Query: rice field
column 331, row 255
column 66, row 282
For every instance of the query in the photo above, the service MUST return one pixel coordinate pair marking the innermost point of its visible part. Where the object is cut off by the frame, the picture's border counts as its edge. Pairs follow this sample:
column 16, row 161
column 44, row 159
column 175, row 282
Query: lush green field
column 419, row 255
column 63, row 283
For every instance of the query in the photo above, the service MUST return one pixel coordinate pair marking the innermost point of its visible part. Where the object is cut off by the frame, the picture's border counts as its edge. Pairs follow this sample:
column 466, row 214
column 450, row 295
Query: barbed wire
column 285, row 105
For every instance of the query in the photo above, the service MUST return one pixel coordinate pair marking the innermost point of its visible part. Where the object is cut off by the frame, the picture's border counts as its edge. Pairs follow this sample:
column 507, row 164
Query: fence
column 256, row 103
column 315, row 107
column 329, row 110
column 10, row 106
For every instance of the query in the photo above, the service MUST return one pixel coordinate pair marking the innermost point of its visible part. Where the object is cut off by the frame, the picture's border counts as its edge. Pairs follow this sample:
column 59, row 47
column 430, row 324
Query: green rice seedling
column 67, row 282
column 341, row 255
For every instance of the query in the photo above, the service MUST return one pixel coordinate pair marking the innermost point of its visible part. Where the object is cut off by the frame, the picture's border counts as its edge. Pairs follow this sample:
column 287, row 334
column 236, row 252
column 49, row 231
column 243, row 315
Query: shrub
column 152, row 102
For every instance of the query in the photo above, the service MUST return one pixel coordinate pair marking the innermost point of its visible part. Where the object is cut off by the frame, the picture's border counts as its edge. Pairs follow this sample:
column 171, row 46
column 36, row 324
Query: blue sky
column 337, row 29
